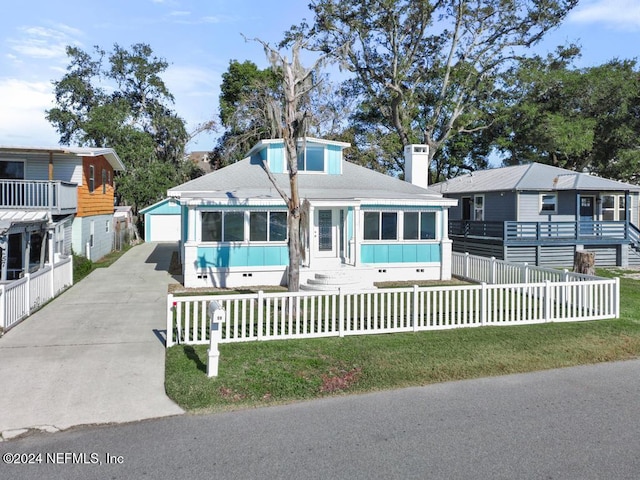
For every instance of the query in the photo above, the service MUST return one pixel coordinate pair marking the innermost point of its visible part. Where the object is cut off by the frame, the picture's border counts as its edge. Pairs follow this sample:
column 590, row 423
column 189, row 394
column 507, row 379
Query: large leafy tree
column 428, row 70
column 245, row 93
column 119, row 100
column 575, row 118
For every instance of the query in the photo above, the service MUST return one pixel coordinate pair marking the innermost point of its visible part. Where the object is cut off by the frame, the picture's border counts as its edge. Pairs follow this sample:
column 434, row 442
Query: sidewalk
column 93, row 355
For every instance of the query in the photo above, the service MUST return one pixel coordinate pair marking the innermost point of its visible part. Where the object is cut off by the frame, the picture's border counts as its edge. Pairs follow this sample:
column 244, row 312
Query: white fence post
column 27, row 295
column 465, row 267
column 169, row 340
column 416, row 305
column 3, row 309
column 547, row 301
column 616, row 298
column 260, row 314
column 492, row 271
column 340, row 312
column 483, row 304
column 525, row 273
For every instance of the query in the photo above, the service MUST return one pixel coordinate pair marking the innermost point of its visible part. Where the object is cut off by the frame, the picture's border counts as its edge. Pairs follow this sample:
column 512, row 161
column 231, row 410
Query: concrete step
column 333, row 280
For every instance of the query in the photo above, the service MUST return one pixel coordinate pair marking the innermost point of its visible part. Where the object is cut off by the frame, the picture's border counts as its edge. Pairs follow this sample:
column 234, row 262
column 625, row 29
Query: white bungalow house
column 359, row 226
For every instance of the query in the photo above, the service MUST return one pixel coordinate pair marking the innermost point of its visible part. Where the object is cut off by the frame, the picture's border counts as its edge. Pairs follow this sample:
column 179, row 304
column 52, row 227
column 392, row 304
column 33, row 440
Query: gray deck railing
column 514, row 232
column 56, row 196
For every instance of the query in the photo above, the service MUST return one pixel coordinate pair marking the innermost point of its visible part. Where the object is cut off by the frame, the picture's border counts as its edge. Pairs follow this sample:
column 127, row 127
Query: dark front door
column 587, row 210
column 466, row 208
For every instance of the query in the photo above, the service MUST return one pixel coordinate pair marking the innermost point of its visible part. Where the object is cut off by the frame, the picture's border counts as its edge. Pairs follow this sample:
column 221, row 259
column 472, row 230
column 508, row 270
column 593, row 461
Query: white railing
column 490, row 270
column 287, row 315
column 56, row 196
column 22, row 297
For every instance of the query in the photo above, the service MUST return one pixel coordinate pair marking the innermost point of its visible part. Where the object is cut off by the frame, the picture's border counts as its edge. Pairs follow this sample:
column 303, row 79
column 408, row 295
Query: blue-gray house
column 542, row 214
column 357, row 223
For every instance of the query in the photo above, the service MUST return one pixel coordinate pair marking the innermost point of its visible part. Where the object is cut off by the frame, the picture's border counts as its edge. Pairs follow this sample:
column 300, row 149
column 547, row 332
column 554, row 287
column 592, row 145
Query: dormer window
column 312, row 159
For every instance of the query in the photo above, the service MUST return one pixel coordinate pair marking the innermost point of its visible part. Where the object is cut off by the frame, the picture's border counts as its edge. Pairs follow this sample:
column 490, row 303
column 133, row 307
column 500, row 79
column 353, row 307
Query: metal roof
column 533, row 176
column 108, row 153
column 246, row 180
column 9, row 218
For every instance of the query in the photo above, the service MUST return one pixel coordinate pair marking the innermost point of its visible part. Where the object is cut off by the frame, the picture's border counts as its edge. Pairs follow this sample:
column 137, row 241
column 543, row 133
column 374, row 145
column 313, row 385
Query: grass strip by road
column 267, row 373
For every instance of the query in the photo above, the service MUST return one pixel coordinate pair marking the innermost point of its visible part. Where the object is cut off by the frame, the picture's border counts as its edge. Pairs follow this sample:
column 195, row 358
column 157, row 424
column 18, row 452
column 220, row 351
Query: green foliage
column 82, row 267
column 430, row 72
column 119, row 100
column 575, row 118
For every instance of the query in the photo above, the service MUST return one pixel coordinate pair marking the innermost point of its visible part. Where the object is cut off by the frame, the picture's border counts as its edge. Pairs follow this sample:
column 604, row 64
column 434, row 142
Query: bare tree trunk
column 584, row 262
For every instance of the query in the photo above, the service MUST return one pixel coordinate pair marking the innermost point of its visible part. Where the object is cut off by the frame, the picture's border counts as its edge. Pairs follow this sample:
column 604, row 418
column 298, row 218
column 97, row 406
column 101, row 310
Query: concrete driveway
column 93, row 355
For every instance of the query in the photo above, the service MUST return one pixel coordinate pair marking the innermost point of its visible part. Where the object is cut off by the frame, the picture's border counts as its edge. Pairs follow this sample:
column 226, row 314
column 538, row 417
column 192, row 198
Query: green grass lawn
column 264, row 373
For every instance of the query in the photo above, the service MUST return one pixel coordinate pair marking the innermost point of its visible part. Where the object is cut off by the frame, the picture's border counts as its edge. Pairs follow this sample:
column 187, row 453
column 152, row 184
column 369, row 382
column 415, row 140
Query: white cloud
column 619, row 14
column 44, row 43
column 22, row 115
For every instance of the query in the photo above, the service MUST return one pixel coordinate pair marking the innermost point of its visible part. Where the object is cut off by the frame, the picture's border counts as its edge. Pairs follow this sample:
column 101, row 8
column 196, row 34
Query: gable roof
column 533, row 176
column 246, row 179
column 109, row 153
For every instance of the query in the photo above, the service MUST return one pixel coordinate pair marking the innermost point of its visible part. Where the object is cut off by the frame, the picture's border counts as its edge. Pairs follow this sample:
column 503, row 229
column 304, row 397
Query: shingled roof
column 246, row 179
column 529, row 177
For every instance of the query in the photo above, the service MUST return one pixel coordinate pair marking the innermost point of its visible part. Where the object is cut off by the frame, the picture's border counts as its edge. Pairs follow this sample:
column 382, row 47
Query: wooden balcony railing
column 55, row 196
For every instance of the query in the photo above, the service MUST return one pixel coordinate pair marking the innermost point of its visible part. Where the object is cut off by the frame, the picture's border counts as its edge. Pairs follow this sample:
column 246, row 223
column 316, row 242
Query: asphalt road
column 576, row 423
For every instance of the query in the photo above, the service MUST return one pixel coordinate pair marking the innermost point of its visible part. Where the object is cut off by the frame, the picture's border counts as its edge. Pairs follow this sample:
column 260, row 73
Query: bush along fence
column 537, row 296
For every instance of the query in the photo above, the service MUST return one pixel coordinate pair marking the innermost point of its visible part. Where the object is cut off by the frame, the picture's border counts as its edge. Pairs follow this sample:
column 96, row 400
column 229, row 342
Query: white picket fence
column 287, row 315
column 491, row 270
column 18, row 299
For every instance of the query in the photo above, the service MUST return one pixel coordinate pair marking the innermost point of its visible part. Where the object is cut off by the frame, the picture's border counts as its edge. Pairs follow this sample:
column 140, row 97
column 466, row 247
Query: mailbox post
column 217, row 317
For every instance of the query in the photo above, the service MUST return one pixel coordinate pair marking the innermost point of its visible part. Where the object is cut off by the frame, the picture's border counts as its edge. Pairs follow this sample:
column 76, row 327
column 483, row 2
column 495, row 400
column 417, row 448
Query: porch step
column 334, row 280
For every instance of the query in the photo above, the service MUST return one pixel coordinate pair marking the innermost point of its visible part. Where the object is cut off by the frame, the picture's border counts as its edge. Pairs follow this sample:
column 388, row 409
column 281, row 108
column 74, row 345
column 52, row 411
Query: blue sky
column 198, row 38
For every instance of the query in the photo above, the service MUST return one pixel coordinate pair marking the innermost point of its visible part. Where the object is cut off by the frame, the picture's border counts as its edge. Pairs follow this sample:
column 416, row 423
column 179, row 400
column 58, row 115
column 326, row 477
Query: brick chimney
column 416, row 165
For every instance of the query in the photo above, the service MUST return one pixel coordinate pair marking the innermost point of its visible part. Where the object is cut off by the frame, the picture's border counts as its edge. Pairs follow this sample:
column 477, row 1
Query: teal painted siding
column 242, row 256
column 334, row 159
column 185, row 223
column 165, row 207
column 276, row 157
column 400, row 253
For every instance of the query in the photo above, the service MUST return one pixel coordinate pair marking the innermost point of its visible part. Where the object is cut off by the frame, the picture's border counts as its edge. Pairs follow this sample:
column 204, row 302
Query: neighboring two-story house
column 357, row 223
column 54, row 200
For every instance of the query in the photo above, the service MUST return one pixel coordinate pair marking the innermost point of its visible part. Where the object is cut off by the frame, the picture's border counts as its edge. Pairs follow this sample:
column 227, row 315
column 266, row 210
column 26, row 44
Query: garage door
column 164, row 228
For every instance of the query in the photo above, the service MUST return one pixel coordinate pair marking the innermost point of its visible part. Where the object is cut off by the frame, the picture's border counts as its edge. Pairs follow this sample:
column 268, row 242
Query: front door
column 587, row 210
column 327, row 232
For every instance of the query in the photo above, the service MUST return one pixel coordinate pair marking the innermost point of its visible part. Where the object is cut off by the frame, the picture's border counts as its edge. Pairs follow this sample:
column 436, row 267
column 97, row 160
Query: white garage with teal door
column 162, row 221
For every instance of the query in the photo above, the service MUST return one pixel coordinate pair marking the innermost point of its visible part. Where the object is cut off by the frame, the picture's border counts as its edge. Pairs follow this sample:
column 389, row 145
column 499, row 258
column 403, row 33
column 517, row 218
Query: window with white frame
column 267, row 226
column 478, row 208
column 229, row 226
column 12, row 169
column 380, row 225
column 548, row 203
column 92, row 178
column 311, row 159
column 419, row 225
column 614, row 208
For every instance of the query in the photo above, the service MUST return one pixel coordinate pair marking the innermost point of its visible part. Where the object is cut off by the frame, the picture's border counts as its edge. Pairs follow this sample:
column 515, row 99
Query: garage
column 162, row 221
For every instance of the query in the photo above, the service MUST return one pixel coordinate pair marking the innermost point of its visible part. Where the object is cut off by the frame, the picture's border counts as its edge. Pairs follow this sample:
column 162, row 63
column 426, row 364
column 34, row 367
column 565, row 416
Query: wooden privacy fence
column 287, row 315
column 18, row 299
